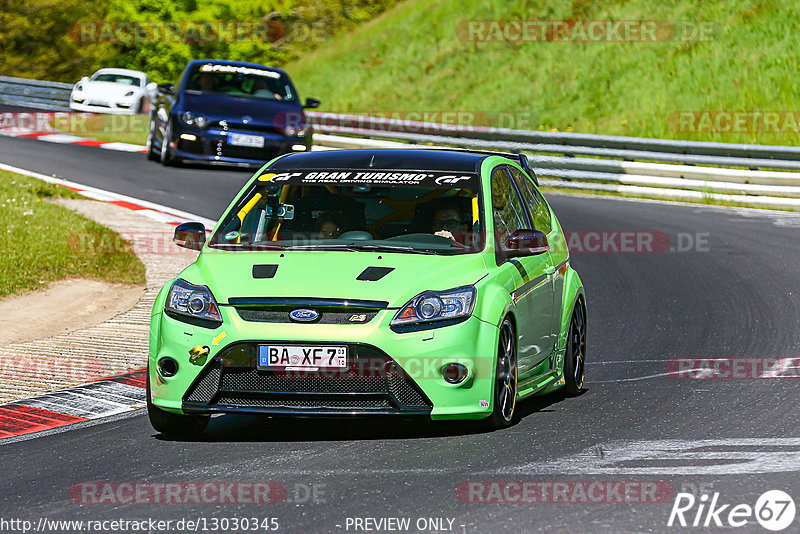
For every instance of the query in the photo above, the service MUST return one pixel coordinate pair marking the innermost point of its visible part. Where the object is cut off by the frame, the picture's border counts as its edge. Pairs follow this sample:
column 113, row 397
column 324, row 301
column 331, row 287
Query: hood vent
column 372, row 274
column 264, row 271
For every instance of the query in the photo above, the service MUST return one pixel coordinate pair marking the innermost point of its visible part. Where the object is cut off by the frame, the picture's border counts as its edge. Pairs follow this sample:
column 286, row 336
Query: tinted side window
column 534, row 200
column 508, row 213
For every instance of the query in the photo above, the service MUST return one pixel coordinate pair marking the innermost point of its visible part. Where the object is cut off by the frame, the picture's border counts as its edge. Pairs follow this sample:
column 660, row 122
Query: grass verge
column 37, row 240
column 110, row 128
column 417, row 57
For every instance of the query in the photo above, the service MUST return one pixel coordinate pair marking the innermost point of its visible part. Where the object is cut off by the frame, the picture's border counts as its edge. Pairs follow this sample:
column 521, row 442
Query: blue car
column 228, row 112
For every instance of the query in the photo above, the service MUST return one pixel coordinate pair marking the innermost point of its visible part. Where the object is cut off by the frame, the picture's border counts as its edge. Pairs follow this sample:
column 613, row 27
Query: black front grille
column 194, row 147
column 326, row 404
column 372, row 382
column 204, row 390
column 266, row 315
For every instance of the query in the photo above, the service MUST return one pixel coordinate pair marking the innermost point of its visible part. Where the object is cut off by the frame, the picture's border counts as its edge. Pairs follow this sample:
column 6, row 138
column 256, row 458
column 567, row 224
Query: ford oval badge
column 303, row 315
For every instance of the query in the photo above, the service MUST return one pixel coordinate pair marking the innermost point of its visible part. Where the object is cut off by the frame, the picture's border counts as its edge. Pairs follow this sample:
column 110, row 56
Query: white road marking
column 674, row 457
column 94, row 192
column 61, row 138
column 634, row 379
column 123, row 147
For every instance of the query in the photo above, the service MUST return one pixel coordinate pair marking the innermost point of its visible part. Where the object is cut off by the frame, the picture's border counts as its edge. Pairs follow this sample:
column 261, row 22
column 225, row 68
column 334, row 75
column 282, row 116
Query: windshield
column 411, row 212
column 124, row 79
column 246, row 82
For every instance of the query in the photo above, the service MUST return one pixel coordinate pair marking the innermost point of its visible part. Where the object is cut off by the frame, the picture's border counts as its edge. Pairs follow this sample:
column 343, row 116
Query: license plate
column 309, row 357
column 246, row 140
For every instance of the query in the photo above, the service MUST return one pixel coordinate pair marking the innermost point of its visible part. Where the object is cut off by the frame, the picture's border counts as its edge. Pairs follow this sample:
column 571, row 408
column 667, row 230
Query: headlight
column 129, row 93
column 192, row 301
column 434, row 306
column 291, row 131
column 194, row 120
column 79, row 87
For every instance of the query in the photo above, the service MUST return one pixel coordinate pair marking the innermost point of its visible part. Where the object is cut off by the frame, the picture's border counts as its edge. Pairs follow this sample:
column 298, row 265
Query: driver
column 447, row 222
column 261, row 89
column 330, row 226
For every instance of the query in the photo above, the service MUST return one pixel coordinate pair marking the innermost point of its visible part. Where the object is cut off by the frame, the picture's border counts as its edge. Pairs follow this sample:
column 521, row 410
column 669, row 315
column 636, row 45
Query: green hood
column 331, row 274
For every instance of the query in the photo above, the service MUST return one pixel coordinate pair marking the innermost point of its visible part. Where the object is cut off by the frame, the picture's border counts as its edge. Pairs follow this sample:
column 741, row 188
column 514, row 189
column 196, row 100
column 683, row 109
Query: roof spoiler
column 521, row 158
column 523, row 162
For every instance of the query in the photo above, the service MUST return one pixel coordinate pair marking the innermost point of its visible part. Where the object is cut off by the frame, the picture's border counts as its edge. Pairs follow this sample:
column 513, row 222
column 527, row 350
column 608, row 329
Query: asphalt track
column 734, row 296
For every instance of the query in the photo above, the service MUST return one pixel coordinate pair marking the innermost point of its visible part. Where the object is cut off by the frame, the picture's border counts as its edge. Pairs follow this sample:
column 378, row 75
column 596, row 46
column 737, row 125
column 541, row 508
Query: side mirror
column 311, row 103
column 191, row 235
column 526, row 243
column 166, row 88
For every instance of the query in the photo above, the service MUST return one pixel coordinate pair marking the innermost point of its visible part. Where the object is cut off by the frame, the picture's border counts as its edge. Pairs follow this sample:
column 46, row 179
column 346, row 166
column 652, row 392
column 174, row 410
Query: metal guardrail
column 564, row 143
column 778, row 190
column 51, row 96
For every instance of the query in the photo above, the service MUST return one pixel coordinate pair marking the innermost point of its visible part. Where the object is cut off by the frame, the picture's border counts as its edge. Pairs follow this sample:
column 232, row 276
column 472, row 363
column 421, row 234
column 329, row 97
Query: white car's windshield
column 123, row 79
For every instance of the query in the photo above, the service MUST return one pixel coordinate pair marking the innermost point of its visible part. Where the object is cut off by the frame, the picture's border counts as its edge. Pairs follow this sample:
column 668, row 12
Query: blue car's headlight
column 430, row 307
column 194, row 120
column 294, row 131
column 193, row 301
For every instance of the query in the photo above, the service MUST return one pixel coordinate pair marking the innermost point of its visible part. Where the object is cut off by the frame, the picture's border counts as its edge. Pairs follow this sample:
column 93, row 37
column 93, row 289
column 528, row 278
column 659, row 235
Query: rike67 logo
column 774, row 510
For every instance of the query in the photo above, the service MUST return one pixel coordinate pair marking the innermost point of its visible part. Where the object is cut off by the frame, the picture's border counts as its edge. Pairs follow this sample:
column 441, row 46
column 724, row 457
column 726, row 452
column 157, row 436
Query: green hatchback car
column 432, row 283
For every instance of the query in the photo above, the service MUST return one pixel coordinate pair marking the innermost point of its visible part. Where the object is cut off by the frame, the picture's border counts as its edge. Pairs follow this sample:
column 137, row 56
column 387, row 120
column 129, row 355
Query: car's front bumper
column 116, row 108
column 227, row 381
column 213, row 146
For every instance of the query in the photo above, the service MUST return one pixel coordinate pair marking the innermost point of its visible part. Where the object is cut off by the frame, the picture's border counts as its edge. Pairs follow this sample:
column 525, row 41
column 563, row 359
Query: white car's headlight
column 129, row 93
column 194, row 120
column 192, row 301
column 79, row 87
column 436, row 308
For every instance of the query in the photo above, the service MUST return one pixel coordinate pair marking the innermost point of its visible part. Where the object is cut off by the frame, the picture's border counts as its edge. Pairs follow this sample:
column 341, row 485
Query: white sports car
column 111, row 91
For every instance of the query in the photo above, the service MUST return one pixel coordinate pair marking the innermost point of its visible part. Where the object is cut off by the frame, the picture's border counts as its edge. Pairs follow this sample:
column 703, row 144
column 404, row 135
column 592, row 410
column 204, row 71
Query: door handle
column 550, row 269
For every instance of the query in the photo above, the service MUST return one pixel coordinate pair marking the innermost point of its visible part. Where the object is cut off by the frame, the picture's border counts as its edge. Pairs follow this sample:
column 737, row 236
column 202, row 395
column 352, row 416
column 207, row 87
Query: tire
column 575, row 355
column 152, row 155
column 166, row 157
column 173, row 424
column 505, row 386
